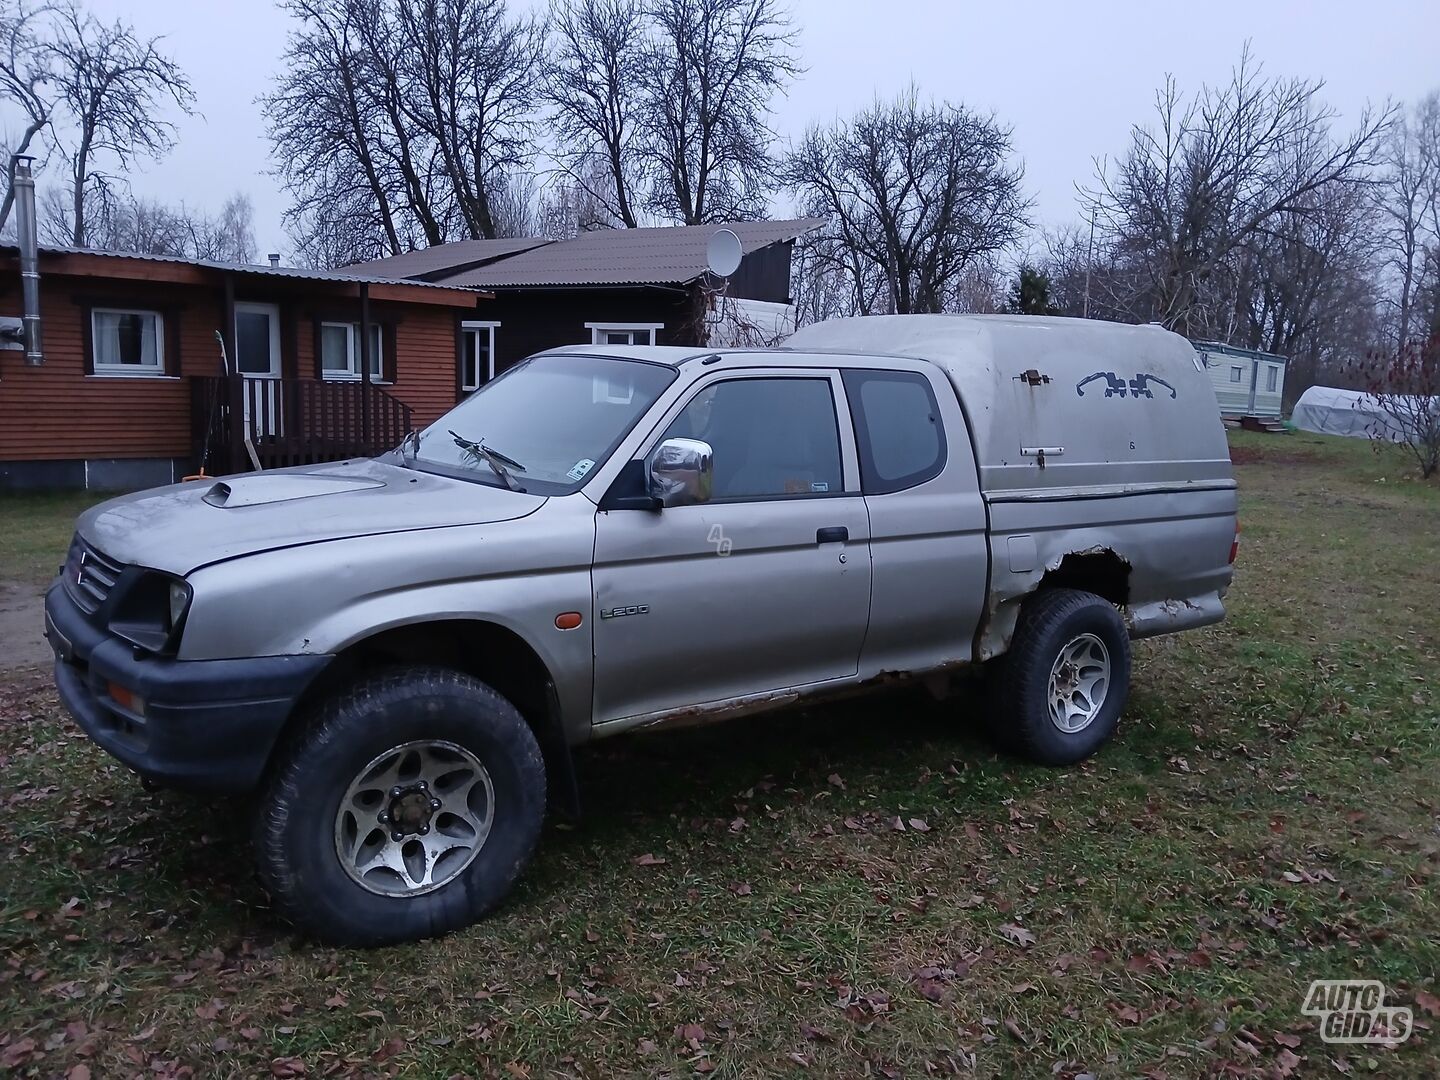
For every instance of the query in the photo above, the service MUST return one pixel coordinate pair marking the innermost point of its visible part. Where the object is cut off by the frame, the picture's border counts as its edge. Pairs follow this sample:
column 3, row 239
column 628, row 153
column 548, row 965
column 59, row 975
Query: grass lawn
column 863, row 889
column 35, row 530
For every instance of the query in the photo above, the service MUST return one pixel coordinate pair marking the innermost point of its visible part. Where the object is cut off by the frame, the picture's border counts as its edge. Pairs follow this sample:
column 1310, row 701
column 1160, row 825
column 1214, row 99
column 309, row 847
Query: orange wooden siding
column 58, row 412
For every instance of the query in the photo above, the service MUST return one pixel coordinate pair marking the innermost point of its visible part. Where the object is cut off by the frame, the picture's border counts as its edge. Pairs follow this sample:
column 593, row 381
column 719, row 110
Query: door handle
column 835, row 534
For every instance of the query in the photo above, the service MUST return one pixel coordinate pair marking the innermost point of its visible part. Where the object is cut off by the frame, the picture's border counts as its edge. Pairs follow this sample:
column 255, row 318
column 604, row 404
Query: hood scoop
column 260, row 489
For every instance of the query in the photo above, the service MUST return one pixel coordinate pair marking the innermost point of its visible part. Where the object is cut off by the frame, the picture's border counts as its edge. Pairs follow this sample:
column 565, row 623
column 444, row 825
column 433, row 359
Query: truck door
column 928, row 544
column 765, row 587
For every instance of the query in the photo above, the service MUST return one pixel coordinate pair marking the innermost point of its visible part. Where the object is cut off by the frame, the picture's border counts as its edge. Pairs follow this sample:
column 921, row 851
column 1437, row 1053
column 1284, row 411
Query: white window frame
column 1272, row 379
column 465, row 327
column 272, row 312
column 128, row 371
column 598, row 330
column 1237, row 373
column 352, row 357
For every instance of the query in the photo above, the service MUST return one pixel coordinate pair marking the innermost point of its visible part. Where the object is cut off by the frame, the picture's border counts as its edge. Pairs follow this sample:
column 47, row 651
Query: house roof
column 446, row 259
column 87, row 262
column 662, row 256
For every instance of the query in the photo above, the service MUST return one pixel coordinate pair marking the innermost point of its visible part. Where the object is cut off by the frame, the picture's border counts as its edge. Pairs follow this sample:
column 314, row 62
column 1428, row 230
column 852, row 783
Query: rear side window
column 897, row 427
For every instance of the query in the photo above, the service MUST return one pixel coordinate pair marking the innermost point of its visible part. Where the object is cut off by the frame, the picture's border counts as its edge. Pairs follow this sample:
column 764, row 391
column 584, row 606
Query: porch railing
column 290, row 421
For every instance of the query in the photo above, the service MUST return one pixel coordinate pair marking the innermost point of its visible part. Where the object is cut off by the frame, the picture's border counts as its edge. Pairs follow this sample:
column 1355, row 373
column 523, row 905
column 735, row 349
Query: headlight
column 179, row 601
column 149, row 610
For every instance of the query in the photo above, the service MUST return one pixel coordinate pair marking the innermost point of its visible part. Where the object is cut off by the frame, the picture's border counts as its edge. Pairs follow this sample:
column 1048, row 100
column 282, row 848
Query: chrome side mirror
column 680, row 472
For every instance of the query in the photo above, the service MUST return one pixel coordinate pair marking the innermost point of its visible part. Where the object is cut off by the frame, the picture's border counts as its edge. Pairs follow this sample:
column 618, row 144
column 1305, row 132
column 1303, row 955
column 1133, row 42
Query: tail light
column 1235, row 544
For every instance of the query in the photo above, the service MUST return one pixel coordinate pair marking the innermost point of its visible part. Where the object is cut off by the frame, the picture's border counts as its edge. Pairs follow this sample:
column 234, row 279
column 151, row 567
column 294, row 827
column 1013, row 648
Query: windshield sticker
column 819, row 485
column 583, row 466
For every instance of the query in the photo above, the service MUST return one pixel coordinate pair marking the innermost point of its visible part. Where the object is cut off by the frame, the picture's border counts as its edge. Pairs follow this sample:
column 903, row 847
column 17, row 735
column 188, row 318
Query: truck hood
column 186, row 526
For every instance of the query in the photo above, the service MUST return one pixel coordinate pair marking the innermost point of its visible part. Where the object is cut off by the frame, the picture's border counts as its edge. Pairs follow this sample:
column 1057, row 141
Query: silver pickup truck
column 393, row 658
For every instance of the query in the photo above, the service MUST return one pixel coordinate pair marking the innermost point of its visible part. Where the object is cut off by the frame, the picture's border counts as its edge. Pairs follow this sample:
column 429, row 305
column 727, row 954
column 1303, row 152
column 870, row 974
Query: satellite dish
column 723, row 252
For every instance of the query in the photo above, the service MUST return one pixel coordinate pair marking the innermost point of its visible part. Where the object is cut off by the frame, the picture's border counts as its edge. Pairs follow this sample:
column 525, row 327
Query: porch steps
column 1263, row 424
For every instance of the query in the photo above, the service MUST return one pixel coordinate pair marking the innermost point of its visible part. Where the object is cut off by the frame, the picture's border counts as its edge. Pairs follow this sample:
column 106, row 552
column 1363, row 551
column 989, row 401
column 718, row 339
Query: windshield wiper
column 411, row 439
column 496, row 460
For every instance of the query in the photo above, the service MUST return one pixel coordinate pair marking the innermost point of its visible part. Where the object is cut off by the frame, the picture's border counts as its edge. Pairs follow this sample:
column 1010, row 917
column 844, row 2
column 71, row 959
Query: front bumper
column 207, row 725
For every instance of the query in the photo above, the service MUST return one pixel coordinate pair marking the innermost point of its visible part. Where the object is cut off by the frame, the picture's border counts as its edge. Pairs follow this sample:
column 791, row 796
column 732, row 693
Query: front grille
column 89, row 575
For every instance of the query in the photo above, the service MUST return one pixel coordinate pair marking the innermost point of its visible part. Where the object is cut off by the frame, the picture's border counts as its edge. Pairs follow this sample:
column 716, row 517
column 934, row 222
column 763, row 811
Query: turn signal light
column 569, row 620
column 125, row 698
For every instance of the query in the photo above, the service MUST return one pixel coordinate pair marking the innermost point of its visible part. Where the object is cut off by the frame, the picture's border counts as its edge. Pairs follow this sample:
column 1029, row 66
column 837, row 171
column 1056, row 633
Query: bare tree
column 1215, row 171
column 1408, row 196
column 1404, row 390
column 513, row 204
column 113, row 86
column 469, row 86
column 149, row 227
column 915, row 195
column 596, row 48
column 395, row 123
column 711, row 70
column 24, row 73
column 323, row 124
column 568, row 206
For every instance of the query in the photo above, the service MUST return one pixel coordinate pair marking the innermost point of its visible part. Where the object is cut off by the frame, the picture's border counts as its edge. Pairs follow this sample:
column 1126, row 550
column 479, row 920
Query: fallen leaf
column 336, row 1000
column 287, row 1067
column 17, row 1053
column 645, row 860
column 78, row 1072
column 210, row 1010
column 919, row 825
column 1427, row 1001
column 1018, row 934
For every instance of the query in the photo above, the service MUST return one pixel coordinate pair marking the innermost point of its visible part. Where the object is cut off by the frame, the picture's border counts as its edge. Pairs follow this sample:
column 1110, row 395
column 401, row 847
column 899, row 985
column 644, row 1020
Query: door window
column 771, row 437
column 1271, row 372
column 257, row 339
column 897, row 428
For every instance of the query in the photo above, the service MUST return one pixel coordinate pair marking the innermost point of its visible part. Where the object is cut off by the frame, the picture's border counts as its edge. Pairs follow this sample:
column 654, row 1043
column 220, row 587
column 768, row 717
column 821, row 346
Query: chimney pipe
column 274, row 258
column 26, row 230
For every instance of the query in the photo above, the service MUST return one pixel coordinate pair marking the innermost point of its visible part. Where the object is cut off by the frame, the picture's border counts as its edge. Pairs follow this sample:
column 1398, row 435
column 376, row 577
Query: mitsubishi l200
column 393, row 658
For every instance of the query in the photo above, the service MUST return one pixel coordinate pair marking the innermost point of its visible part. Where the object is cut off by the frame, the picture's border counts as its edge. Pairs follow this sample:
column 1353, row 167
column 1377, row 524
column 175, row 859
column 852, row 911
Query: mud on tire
column 1059, row 691
column 404, row 808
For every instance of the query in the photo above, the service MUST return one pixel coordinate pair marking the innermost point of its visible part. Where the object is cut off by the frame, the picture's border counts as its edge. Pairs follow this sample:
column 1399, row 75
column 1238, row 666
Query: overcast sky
column 1069, row 77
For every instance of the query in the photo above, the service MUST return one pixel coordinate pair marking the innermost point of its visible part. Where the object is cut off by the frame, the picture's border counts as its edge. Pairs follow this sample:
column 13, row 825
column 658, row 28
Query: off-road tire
column 1019, row 712
column 295, row 830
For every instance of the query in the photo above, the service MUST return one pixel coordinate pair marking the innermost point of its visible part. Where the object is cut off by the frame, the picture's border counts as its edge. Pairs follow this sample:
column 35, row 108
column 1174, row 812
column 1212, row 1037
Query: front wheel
column 404, row 809
column 1063, row 684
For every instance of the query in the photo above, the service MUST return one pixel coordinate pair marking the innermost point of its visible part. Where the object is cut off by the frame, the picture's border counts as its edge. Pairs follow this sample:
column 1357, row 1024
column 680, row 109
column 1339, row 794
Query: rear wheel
column 1062, row 685
column 404, row 809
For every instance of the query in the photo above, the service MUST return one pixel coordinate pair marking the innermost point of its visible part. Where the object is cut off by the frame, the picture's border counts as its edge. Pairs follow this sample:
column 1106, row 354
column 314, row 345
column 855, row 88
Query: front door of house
column 257, row 357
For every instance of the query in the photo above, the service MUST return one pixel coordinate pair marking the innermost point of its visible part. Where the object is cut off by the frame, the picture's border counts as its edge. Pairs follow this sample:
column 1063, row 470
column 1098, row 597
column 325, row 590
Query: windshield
column 547, row 423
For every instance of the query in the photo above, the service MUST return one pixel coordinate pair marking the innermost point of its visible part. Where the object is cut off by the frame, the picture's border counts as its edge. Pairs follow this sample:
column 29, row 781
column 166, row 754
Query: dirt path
column 22, row 620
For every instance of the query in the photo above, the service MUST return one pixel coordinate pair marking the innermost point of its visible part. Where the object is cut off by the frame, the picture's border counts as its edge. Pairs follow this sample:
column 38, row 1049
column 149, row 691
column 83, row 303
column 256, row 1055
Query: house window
column 627, row 333
column 477, row 354
column 1271, row 373
column 1235, row 374
column 340, row 350
column 127, row 342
